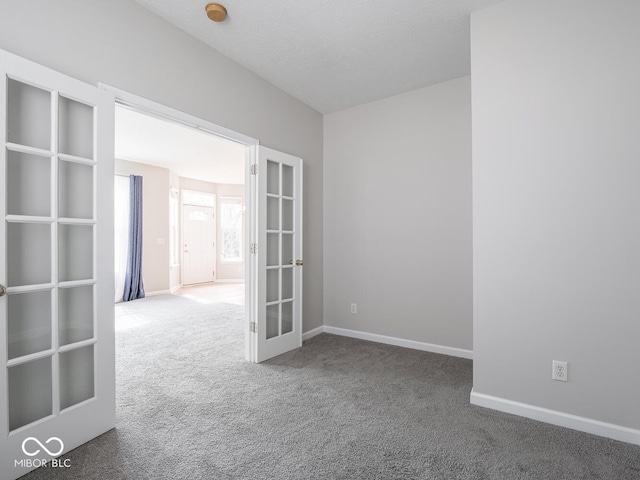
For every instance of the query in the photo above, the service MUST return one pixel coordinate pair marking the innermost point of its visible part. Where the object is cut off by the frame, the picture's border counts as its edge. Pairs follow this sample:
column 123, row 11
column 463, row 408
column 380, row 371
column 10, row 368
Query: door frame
column 163, row 112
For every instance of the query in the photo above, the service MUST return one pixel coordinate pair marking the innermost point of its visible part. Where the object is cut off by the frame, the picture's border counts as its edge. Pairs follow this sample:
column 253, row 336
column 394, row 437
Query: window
column 231, row 222
column 121, row 229
column 201, row 199
column 174, row 231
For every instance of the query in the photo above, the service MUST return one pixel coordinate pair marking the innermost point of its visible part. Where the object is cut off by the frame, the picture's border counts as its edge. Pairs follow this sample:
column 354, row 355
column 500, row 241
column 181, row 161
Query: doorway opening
column 184, row 170
column 271, row 256
column 196, row 191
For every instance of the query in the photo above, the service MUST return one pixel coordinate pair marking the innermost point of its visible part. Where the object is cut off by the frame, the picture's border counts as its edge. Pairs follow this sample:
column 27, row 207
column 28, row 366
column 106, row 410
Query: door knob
column 298, row 262
column 3, row 290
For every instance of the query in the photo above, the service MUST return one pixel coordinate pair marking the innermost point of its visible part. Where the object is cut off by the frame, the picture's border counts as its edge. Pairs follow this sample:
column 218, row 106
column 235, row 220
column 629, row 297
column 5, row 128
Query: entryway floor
column 214, row 293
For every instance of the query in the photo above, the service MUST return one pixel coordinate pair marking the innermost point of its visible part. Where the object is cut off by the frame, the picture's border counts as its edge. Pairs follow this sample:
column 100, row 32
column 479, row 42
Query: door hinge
column 253, row 327
column 254, row 248
column 254, row 169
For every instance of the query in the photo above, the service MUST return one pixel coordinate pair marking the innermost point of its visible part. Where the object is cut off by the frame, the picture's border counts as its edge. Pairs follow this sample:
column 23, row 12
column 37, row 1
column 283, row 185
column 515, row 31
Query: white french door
column 57, row 371
column 279, row 253
column 199, row 254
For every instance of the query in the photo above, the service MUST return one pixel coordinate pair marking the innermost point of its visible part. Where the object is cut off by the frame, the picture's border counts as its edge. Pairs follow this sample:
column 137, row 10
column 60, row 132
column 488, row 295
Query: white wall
column 120, row 43
column 155, row 223
column 556, row 201
column 397, row 213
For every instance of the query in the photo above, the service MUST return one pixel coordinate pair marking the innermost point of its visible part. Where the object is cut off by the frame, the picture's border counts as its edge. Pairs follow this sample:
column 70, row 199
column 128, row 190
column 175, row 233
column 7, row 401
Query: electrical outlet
column 560, row 371
column 354, row 308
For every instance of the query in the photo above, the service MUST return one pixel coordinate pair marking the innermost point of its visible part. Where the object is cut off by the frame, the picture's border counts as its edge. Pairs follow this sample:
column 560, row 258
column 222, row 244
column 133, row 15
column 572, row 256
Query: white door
column 199, row 232
column 57, row 372
column 279, row 254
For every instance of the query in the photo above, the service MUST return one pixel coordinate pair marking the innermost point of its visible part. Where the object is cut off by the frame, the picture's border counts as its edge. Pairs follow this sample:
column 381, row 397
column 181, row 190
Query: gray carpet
column 190, row 407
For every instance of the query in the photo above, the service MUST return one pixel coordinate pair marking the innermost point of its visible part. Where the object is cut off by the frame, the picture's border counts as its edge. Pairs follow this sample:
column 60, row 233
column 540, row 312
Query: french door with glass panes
column 57, row 371
column 279, row 253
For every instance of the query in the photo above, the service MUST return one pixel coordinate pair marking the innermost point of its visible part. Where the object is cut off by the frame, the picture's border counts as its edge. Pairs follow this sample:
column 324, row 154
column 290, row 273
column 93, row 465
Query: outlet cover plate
column 560, row 371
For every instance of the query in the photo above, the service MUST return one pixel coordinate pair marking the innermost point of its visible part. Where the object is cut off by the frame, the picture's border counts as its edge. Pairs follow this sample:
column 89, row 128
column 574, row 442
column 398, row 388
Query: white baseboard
column 159, row 292
column 175, row 289
column 400, row 342
column 230, row 280
column 582, row 424
column 312, row 333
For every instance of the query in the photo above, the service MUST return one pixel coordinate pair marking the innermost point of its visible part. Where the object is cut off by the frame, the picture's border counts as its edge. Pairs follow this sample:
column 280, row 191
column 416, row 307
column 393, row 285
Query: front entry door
column 279, row 253
column 199, row 244
column 57, row 359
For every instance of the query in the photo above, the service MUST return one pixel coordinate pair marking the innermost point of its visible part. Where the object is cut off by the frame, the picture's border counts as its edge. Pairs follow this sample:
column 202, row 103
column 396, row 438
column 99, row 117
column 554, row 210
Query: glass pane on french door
column 50, row 227
column 280, row 262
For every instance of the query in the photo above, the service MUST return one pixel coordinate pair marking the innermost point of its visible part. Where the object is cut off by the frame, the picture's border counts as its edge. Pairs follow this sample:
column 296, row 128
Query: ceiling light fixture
column 216, row 12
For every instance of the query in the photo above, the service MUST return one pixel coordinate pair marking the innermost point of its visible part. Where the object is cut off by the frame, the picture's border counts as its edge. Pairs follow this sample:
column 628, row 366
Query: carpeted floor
column 190, row 407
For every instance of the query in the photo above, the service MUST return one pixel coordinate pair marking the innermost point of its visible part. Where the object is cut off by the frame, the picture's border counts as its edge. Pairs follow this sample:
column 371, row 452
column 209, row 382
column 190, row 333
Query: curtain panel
column 133, row 284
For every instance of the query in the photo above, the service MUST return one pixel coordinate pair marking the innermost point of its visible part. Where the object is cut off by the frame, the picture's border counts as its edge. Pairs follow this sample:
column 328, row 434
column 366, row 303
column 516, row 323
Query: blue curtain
column 133, row 286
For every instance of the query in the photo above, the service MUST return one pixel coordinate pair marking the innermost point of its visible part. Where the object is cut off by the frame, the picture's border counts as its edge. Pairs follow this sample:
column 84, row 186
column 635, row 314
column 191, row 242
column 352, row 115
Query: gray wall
column 556, row 201
column 397, row 213
column 120, row 43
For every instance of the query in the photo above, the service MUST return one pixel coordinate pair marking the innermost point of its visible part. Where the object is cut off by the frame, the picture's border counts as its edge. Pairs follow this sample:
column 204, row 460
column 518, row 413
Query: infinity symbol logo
column 52, row 439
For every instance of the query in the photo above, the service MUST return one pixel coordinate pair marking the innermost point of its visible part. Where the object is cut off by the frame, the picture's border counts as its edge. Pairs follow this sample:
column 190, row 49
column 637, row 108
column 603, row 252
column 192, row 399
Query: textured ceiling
column 187, row 152
column 334, row 54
